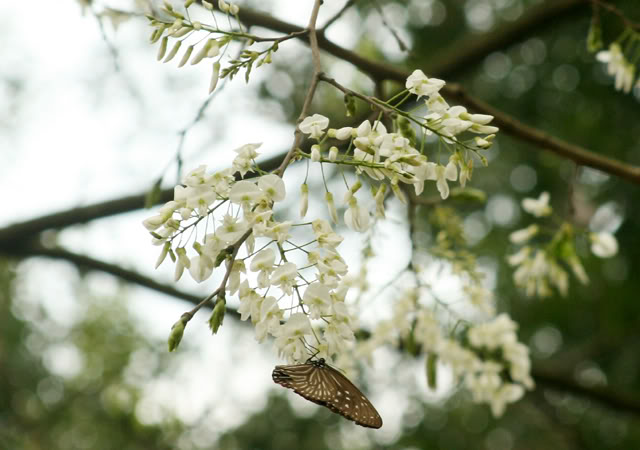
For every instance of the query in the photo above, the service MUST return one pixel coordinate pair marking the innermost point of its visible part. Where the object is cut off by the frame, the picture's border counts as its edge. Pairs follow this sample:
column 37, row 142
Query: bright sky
column 77, row 132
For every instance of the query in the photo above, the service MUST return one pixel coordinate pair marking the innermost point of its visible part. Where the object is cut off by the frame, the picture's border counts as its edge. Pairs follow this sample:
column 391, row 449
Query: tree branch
column 473, row 48
column 83, row 262
column 510, row 125
column 618, row 401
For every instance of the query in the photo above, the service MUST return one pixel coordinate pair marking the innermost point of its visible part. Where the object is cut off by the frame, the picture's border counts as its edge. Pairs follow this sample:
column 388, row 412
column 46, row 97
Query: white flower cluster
column 541, row 268
column 382, row 154
column 618, row 67
column 493, row 365
column 180, row 28
column 249, row 217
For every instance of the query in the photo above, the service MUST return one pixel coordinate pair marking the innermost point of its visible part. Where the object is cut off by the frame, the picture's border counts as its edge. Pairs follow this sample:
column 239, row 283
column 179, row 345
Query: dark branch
column 83, row 262
column 508, row 124
column 618, row 401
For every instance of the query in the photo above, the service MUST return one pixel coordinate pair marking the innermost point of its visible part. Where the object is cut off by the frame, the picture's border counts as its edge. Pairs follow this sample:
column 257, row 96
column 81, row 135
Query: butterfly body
column 323, row 385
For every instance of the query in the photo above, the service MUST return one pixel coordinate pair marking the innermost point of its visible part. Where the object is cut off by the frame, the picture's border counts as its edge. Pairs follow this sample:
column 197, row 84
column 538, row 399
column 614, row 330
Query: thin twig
column 339, row 14
column 616, row 11
column 306, row 106
column 393, row 32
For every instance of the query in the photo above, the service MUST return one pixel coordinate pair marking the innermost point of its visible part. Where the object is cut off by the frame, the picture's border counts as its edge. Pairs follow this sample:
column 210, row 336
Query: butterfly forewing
column 325, row 386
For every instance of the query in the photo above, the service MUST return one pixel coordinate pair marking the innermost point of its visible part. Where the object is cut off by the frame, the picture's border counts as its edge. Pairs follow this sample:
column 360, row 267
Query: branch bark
column 560, row 382
column 508, row 124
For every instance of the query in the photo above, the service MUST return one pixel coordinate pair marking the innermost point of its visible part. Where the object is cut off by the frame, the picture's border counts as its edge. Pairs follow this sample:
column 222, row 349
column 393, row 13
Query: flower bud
column 163, row 48
column 186, row 56
column 304, row 203
column 332, row 207
column 315, row 153
column 215, row 76
column 217, row 316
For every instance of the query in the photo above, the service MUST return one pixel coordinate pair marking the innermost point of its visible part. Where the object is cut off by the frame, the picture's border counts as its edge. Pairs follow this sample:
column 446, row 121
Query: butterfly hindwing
column 325, row 386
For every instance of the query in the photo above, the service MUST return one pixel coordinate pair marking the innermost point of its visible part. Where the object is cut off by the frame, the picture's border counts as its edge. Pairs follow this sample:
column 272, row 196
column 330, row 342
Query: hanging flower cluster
column 296, row 292
column 381, row 154
column 619, row 67
column 486, row 357
column 264, row 279
column 172, row 34
column 539, row 268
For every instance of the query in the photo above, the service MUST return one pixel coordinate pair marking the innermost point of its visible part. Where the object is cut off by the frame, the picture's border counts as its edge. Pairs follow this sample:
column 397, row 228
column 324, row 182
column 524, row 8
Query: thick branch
column 13, row 236
column 508, row 124
column 473, row 48
column 87, row 263
column 604, row 396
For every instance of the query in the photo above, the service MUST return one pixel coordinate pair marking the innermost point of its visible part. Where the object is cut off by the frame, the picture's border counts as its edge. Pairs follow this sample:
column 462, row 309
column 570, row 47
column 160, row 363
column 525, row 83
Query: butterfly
column 322, row 384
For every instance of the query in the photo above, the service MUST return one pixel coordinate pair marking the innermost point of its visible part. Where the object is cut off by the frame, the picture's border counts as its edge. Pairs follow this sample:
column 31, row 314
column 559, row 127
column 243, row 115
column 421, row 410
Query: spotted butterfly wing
column 321, row 384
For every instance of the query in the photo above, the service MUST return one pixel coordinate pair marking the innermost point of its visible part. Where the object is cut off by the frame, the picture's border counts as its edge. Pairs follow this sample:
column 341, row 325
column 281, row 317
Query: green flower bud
column 177, row 330
column 217, row 317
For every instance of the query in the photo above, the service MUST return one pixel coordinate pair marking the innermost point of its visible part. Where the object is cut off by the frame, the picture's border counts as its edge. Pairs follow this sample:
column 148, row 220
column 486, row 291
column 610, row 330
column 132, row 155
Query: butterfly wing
column 326, row 386
column 350, row 402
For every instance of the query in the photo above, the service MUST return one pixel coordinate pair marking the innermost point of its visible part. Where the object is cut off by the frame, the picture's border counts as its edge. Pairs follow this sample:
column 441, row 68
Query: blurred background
column 89, row 121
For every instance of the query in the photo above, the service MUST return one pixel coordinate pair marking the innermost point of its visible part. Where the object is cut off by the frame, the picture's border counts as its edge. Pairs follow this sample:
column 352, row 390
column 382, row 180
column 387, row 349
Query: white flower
column 337, row 334
column 201, row 268
column 245, row 193
column 285, row 277
column 291, row 335
column 466, row 169
column 519, row 363
column 344, row 133
column 318, row 298
column 250, row 303
column 333, row 213
column 275, row 230
column 441, row 174
column 154, row 222
column 618, row 66
column 313, row 125
column 524, row 235
column 427, row 331
column 331, row 268
column 497, row 333
column 356, row 217
column 325, row 235
column 437, row 104
column 270, row 315
column 263, row 260
column 481, row 297
column 273, row 187
column 197, row 196
column 518, row 258
column 246, row 155
column 507, row 393
column 460, row 359
column 603, row 245
column 420, row 85
column 231, row 229
column 234, row 276
column 538, row 207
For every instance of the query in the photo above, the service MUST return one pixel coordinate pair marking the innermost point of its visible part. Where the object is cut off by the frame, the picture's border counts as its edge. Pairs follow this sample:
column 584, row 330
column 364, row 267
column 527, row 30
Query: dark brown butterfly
column 321, row 384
